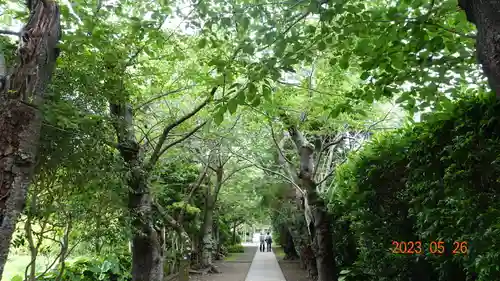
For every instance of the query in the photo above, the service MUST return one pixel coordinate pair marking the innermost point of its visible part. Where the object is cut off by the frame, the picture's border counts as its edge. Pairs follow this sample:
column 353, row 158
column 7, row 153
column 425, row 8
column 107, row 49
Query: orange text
column 434, row 247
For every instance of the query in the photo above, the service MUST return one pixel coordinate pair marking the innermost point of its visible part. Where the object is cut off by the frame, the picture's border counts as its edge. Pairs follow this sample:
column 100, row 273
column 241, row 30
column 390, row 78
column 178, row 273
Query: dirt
column 235, row 268
column 291, row 268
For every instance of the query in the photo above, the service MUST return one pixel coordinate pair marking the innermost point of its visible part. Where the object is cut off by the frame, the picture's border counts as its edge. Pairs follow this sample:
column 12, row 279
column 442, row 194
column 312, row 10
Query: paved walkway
column 265, row 267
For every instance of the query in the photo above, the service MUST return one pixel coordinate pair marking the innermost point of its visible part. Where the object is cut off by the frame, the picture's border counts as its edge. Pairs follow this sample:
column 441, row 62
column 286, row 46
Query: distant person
column 262, row 242
column 269, row 241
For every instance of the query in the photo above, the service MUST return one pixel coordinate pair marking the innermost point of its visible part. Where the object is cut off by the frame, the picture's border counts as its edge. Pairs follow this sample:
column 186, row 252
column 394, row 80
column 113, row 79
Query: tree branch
column 194, row 187
column 280, row 151
column 8, row 32
column 287, row 166
column 333, row 170
column 235, row 171
column 172, row 222
column 270, row 171
column 163, row 95
column 179, row 140
column 158, row 151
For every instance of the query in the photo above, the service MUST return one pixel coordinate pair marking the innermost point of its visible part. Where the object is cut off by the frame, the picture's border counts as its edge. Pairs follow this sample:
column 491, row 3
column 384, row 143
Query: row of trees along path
column 124, row 88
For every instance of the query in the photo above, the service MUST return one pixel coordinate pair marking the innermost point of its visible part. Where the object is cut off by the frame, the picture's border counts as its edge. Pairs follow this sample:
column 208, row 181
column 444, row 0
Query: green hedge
column 236, row 248
column 436, row 181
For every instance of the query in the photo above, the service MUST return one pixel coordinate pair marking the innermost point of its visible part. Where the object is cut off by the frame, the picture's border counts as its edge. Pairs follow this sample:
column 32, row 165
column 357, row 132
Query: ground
column 234, row 267
column 291, row 268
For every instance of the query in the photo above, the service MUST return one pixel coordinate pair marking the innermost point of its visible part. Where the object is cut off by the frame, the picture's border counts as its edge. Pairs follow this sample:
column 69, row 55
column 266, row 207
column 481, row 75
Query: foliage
column 110, row 268
column 435, row 181
column 236, row 248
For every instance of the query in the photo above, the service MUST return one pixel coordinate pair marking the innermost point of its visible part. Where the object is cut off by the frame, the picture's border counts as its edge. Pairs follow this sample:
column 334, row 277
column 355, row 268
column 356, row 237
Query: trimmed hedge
column 435, row 181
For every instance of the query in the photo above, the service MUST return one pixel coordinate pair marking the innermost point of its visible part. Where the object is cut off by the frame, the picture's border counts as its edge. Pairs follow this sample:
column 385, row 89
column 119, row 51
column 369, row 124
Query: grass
column 16, row 265
column 231, row 257
column 278, row 251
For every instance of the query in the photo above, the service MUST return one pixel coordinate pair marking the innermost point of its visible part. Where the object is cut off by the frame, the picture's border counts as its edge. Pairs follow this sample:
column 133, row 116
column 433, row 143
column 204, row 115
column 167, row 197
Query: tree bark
column 288, row 244
column 206, row 231
column 485, row 15
column 302, row 243
column 21, row 95
column 316, row 215
column 147, row 258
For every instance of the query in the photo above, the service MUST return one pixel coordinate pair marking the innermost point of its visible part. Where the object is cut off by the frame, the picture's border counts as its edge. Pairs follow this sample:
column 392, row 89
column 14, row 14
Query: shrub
column 112, row 268
column 236, row 248
column 435, row 181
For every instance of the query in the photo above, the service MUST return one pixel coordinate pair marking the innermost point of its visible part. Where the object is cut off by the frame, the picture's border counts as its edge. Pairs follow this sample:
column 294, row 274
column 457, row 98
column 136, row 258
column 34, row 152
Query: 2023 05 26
column 433, row 247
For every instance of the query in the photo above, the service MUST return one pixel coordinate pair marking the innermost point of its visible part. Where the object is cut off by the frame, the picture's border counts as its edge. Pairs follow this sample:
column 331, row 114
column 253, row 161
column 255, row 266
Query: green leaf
column 252, row 88
column 232, row 105
column 219, row 115
column 344, row 271
column 344, row 61
column 333, row 61
column 245, row 22
column 365, row 75
column 280, row 48
column 335, row 112
column 202, row 43
column 226, row 21
column 404, row 97
column 313, row 7
column 311, row 29
column 256, row 102
column 321, row 45
column 249, row 49
column 266, row 91
column 436, row 43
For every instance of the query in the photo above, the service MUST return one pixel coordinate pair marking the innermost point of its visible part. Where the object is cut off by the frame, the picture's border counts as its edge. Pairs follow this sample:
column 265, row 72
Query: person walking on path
column 269, row 241
column 262, row 242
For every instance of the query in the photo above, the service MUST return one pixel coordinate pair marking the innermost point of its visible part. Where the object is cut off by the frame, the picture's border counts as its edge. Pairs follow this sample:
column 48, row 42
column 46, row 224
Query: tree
column 483, row 15
column 21, row 96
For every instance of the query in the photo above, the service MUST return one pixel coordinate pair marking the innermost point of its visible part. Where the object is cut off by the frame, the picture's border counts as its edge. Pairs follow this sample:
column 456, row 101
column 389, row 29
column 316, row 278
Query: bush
column 236, row 248
column 436, row 181
column 113, row 268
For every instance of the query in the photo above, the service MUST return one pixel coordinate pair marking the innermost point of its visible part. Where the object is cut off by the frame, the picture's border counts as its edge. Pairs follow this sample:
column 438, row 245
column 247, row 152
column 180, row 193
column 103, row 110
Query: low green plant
column 236, row 248
column 110, row 268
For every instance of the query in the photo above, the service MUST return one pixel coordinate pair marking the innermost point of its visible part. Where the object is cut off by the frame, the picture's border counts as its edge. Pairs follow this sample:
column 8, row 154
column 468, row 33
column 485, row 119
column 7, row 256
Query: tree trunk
column 288, row 245
column 234, row 233
column 314, row 210
column 206, row 231
column 216, row 230
column 32, row 247
column 21, row 96
column 322, row 239
column 298, row 231
column 147, row 258
column 485, row 16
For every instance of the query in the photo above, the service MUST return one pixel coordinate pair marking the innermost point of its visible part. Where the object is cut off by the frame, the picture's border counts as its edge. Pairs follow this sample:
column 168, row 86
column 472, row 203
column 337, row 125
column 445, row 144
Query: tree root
column 210, row 269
